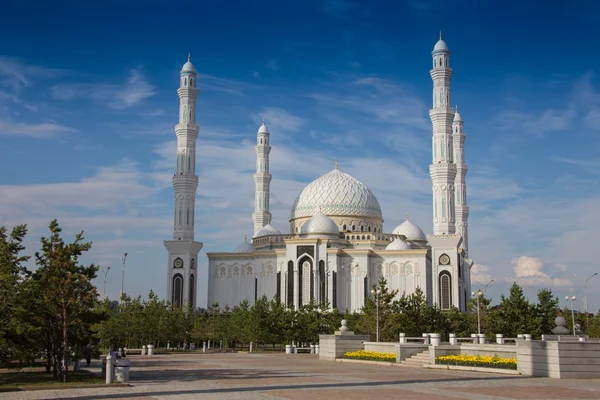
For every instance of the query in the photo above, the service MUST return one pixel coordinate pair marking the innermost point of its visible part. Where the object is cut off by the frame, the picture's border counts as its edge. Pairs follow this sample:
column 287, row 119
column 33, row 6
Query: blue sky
column 88, row 104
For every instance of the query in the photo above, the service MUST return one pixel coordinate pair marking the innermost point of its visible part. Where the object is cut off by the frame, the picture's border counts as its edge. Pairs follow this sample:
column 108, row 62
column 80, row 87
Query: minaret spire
column 262, row 179
column 442, row 169
column 460, row 184
column 183, row 250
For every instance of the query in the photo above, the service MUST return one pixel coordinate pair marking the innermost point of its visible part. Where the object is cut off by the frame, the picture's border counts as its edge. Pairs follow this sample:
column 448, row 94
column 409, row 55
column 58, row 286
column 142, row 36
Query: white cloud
column 279, row 120
column 43, row 130
column 213, row 83
column 481, row 274
column 133, row 91
column 530, row 271
column 337, row 8
column 550, row 120
column 592, row 166
column 273, row 64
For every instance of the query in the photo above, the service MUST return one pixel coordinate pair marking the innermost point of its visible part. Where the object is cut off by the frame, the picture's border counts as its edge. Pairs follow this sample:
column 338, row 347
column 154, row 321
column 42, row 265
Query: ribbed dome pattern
column 410, row 230
column 245, row 248
column 320, row 223
column 336, row 193
column 267, row 230
column 398, row 244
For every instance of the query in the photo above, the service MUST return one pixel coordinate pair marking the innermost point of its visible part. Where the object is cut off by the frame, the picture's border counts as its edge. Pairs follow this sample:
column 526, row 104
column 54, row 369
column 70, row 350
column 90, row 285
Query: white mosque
column 336, row 248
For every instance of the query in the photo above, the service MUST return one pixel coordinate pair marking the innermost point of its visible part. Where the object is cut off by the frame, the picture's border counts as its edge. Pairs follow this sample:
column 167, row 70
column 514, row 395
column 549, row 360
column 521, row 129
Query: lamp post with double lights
column 479, row 293
column 376, row 293
column 572, row 299
column 123, row 259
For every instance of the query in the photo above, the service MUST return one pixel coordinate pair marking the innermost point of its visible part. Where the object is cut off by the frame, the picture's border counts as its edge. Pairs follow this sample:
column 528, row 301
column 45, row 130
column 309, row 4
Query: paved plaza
column 304, row 377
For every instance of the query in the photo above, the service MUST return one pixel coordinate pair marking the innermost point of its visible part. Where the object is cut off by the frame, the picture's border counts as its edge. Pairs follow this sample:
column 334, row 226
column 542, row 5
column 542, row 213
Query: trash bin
column 122, row 370
column 288, row 349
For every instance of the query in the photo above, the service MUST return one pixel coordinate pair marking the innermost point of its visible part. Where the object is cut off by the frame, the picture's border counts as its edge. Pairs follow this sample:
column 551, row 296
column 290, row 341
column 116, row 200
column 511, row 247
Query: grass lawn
column 20, row 379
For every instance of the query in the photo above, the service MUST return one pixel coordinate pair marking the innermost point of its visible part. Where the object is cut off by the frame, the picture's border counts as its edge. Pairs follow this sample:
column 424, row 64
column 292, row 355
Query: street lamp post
column 572, row 299
column 123, row 275
column 105, row 273
column 479, row 293
column 587, row 326
column 376, row 293
column 485, row 288
column 585, row 300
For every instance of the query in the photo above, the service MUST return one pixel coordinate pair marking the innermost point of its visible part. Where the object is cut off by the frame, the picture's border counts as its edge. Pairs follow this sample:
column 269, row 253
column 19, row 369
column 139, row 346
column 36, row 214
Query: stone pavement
column 304, row 377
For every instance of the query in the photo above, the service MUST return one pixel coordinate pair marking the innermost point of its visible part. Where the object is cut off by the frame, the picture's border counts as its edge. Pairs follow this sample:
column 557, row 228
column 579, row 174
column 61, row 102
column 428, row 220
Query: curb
column 475, row 369
column 61, row 387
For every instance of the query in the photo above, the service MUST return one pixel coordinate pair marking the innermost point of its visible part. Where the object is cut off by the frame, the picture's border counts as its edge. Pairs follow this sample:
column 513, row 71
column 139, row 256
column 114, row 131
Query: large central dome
column 336, row 194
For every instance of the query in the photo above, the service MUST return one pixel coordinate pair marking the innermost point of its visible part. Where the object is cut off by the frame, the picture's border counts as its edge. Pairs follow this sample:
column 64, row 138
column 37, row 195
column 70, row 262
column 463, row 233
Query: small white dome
column 398, row 244
column 188, row 66
column 267, row 230
column 457, row 117
column 263, row 128
column 245, row 248
column 410, row 231
column 320, row 223
column 440, row 46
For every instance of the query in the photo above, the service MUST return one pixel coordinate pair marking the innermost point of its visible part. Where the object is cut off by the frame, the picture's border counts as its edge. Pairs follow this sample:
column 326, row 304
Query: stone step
column 417, row 361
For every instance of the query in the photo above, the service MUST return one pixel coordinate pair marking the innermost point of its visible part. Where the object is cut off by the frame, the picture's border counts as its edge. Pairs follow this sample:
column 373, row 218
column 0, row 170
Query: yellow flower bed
column 370, row 355
column 478, row 361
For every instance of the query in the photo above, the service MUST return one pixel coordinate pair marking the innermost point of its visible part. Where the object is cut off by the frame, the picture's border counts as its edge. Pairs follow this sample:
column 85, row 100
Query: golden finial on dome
column 263, row 120
column 245, row 237
column 406, row 216
column 336, row 163
column 189, row 54
column 440, row 35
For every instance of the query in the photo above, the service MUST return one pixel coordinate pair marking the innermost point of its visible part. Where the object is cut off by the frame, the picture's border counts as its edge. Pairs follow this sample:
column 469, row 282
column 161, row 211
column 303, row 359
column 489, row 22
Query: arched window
column 353, row 227
column 362, row 228
column 322, row 281
column 185, row 82
column 187, row 216
column 363, row 236
column 177, row 290
column 179, row 215
column 192, row 290
column 445, row 290
column 189, row 162
column 368, row 237
column 369, row 229
column 344, row 227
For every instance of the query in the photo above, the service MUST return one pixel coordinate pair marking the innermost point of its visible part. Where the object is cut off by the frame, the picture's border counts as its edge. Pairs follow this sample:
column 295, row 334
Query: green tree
column 546, row 310
column 66, row 292
column 15, row 329
column 516, row 313
column 382, row 303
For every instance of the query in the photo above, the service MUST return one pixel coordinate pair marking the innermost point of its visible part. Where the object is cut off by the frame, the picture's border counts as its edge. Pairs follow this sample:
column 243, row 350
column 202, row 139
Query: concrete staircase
column 419, row 360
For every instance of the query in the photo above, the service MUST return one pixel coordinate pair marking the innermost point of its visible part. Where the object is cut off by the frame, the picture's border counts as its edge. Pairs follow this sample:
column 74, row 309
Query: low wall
column 565, row 360
column 381, row 347
column 442, row 350
column 406, row 350
column 500, row 350
column 334, row 346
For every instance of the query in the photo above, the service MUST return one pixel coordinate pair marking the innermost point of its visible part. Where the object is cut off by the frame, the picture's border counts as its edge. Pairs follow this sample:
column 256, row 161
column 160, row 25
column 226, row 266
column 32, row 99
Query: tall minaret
column 262, row 179
column 460, row 186
column 442, row 170
column 183, row 250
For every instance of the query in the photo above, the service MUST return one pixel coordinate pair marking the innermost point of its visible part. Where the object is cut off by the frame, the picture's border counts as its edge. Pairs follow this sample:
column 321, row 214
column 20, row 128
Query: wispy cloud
column 44, row 130
column 129, row 94
column 592, row 166
column 273, row 64
column 337, row 8
column 280, row 120
column 238, row 88
column 550, row 120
